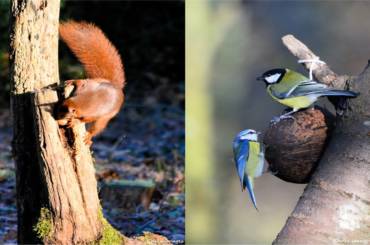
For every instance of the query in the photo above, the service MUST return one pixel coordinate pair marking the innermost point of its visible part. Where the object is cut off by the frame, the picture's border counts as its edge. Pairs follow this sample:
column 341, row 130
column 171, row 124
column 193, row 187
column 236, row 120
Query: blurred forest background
column 229, row 44
column 140, row 156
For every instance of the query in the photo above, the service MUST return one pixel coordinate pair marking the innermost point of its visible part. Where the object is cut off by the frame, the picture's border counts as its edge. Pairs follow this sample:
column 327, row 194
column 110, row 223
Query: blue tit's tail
column 249, row 184
column 333, row 92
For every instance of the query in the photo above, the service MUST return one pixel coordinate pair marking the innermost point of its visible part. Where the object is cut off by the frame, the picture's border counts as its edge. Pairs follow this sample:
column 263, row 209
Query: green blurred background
column 228, row 44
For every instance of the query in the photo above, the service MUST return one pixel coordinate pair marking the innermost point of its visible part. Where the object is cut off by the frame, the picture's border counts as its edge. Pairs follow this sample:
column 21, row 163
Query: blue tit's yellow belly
column 298, row 102
column 253, row 159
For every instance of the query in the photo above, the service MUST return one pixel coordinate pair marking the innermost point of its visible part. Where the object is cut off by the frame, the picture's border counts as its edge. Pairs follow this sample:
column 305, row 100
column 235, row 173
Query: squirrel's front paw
column 71, row 122
column 62, row 122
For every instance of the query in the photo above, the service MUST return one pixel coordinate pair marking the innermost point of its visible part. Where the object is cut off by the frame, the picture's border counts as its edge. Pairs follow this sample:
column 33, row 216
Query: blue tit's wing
column 241, row 153
column 248, row 182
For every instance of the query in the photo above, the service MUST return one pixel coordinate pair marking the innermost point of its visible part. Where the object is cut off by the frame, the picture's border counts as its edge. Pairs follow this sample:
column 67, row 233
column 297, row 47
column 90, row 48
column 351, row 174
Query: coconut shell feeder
column 294, row 147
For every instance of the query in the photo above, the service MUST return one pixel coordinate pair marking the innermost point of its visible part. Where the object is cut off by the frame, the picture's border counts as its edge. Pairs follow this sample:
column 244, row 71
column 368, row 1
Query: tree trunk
column 335, row 205
column 57, row 195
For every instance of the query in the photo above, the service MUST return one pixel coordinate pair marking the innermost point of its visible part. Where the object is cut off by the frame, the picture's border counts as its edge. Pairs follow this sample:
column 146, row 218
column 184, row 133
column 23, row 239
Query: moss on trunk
column 44, row 225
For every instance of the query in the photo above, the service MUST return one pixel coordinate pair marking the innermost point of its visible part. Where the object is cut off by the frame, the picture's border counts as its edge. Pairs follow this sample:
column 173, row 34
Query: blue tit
column 249, row 159
column 296, row 91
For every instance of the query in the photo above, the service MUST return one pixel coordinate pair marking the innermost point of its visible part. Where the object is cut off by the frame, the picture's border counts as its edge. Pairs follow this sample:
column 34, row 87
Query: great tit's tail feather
column 333, row 92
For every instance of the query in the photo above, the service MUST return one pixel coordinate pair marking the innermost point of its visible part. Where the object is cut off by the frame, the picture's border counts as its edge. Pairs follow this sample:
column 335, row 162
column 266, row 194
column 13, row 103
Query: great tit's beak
column 260, row 78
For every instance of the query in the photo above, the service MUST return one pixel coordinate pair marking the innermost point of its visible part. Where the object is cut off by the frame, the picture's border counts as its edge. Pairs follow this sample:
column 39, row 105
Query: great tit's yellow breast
column 253, row 159
column 298, row 102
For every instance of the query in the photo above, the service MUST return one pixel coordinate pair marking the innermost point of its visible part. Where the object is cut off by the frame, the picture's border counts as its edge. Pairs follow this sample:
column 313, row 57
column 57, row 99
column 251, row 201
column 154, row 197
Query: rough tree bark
column 57, row 195
column 335, row 206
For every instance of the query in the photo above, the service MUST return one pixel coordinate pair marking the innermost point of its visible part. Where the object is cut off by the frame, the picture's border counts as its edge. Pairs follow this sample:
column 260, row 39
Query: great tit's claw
column 287, row 117
column 275, row 120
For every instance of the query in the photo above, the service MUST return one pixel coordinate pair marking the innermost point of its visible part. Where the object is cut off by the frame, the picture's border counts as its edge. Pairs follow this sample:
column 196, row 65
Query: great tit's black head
column 272, row 76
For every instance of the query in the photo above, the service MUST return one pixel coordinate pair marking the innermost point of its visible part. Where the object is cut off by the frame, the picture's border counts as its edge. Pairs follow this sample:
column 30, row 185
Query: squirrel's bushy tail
column 93, row 49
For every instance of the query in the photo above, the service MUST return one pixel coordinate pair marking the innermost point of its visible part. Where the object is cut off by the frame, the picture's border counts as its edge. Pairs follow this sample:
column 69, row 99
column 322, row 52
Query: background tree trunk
column 335, row 205
column 56, row 186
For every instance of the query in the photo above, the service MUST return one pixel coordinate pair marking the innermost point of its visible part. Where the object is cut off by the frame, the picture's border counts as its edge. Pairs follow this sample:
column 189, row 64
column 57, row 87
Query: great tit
column 296, row 91
column 249, row 159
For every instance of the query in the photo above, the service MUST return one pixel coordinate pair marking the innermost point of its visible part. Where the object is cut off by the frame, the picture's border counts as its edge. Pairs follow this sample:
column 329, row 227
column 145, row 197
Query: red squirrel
column 98, row 98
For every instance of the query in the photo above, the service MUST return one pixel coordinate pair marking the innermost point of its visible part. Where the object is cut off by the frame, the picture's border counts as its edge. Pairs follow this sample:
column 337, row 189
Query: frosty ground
column 139, row 161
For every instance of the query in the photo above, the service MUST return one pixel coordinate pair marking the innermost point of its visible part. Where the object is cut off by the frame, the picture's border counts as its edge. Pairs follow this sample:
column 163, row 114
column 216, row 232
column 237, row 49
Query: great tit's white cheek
column 273, row 78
